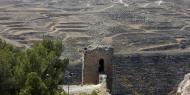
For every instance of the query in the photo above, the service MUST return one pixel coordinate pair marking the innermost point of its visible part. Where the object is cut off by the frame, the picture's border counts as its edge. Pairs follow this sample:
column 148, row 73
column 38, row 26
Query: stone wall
column 91, row 64
column 156, row 73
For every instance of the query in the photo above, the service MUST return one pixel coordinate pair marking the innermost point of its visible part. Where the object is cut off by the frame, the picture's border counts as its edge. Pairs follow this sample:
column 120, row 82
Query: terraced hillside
column 127, row 25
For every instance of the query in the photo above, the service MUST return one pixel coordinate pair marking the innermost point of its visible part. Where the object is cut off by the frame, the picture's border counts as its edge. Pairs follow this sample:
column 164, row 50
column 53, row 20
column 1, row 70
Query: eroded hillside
column 127, row 25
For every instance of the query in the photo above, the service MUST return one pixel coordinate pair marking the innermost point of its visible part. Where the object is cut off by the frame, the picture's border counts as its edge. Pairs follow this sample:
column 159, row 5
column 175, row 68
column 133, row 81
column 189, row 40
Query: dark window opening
column 101, row 66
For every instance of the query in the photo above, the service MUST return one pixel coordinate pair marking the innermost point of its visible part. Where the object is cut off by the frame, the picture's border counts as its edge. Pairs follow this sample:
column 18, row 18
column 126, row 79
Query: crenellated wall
column 150, row 73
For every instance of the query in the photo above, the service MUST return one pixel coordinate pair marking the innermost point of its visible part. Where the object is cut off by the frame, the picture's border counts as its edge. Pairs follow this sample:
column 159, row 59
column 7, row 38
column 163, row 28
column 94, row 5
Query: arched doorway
column 101, row 66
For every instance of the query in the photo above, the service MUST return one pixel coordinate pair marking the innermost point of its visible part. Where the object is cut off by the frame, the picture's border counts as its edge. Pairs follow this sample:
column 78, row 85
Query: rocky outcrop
column 184, row 86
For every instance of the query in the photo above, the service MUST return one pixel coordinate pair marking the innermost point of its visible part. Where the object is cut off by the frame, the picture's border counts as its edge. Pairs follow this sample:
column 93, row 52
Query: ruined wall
column 91, row 64
column 157, row 73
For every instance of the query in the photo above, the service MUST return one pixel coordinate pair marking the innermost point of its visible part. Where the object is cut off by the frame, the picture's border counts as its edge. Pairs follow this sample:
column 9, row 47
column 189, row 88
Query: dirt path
column 73, row 89
column 101, row 88
column 108, row 40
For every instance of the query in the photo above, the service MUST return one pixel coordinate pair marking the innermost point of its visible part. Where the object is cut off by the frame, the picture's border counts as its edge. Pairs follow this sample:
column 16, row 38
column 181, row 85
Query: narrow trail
column 125, row 4
column 73, row 89
column 183, row 28
column 120, row 2
column 109, row 40
column 101, row 10
column 111, row 6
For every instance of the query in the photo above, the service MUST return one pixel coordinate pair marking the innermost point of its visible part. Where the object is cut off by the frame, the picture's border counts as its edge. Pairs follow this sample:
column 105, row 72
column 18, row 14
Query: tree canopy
column 35, row 71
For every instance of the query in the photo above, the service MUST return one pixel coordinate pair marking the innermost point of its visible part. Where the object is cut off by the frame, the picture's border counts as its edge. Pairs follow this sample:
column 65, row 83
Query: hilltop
column 128, row 25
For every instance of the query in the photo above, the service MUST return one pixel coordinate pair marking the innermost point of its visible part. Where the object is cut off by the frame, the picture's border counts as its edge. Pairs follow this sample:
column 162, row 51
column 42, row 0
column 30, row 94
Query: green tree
column 42, row 59
column 34, row 86
column 21, row 69
column 6, row 69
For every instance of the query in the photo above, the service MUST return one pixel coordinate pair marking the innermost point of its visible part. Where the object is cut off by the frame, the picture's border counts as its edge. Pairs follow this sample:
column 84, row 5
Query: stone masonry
column 144, row 73
column 157, row 73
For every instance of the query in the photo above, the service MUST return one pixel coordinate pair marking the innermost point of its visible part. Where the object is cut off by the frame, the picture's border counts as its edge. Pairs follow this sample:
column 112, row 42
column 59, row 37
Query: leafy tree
column 44, row 60
column 34, row 86
column 6, row 68
column 19, row 68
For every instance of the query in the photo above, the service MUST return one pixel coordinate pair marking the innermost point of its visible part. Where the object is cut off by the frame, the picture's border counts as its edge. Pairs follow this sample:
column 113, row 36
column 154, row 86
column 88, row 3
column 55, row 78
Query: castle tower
column 97, row 61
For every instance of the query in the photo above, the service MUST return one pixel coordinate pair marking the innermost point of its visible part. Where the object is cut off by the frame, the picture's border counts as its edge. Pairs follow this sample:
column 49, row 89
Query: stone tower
column 97, row 61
